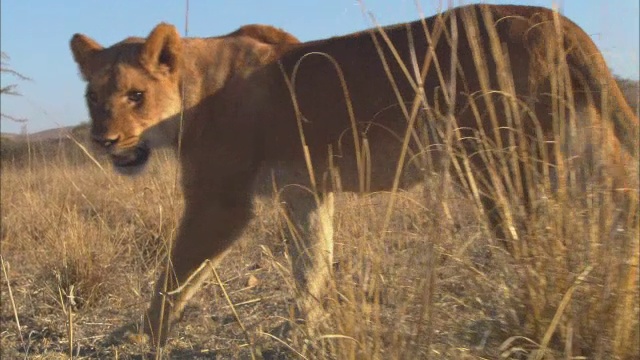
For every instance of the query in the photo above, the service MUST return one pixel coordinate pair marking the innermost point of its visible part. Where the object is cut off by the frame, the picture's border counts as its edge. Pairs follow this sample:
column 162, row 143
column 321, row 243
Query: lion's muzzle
column 128, row 157
column 131, row 161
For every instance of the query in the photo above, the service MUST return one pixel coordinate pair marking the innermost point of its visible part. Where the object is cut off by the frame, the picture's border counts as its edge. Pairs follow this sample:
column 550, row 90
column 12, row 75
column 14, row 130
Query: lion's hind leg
column 310, row 247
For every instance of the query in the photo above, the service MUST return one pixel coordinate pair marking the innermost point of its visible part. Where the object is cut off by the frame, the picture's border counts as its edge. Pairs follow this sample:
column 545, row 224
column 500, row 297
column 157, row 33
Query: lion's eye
column 135, row 96
column 92, row 97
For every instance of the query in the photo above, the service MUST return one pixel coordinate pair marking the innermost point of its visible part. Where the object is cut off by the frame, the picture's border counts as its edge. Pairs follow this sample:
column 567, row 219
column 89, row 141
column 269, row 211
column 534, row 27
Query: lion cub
column 350, row 113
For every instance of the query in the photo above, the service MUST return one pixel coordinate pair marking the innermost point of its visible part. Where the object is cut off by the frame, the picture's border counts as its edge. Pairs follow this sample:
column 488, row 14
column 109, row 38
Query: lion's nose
column 106, row 141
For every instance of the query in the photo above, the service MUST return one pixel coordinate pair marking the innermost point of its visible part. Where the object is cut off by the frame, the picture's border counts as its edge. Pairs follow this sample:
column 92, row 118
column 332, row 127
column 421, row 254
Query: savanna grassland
column 81, row 247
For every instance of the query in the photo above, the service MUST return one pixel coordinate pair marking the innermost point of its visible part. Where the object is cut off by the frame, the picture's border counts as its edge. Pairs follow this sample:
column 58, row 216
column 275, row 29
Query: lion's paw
column 127, row 334
column 137, row 338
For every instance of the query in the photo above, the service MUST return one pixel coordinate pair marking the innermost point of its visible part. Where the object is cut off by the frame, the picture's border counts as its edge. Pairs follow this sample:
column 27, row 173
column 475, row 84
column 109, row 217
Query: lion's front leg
column 209, row 226
column 311, row 249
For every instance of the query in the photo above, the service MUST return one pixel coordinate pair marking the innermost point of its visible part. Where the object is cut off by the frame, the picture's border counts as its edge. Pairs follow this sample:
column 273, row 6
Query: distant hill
column 52, row 143
column 631, row 91
column 51, row 134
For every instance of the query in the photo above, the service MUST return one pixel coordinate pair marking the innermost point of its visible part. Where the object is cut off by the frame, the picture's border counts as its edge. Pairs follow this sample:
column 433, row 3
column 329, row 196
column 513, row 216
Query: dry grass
column 79, row 240
column 82, row 246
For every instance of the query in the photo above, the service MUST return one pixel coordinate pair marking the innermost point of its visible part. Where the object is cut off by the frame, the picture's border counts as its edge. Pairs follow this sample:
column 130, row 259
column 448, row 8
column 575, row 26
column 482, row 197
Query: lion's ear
column 162, row 49
column 83, row 48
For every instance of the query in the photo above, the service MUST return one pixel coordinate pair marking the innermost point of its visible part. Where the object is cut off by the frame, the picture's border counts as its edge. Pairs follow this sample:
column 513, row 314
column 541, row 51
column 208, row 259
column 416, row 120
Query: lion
column 348, row 113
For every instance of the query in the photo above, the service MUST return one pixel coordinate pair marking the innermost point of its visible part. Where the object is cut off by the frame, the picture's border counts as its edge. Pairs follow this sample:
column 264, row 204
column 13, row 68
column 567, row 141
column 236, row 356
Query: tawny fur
column 245, row 109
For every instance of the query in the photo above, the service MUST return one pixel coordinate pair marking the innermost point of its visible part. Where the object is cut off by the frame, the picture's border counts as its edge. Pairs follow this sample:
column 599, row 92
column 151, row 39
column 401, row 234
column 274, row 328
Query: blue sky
column 36, row 33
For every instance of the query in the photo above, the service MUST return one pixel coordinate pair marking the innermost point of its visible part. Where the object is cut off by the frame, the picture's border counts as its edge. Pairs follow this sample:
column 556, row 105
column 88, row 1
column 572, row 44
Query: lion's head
column 133, row 93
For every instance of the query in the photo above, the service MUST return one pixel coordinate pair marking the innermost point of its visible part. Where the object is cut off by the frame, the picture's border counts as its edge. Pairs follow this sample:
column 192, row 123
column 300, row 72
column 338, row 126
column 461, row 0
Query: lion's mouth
column 130, row 161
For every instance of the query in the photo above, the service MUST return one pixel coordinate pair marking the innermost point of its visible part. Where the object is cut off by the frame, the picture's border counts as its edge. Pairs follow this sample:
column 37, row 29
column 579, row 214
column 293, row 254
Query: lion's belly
column 336, row 167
